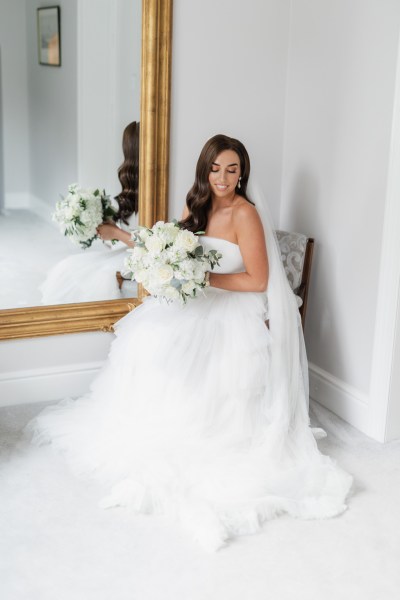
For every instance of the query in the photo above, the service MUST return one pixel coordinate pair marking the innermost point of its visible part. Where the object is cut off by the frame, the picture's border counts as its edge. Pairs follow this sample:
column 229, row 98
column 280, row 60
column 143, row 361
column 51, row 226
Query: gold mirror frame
column 153, row 186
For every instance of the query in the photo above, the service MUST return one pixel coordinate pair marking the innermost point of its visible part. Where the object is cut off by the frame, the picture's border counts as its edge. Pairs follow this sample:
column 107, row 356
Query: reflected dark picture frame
column 49, row 36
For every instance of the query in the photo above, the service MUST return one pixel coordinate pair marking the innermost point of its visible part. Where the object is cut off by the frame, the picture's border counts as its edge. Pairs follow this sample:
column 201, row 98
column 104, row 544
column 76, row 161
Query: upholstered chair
column 296, row 252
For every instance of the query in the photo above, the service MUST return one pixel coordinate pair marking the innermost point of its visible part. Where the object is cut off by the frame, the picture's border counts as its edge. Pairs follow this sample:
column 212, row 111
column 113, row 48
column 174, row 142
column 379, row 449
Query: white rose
column 169, row 233
column 163, row 274
column 154, row 244
column 186, row 240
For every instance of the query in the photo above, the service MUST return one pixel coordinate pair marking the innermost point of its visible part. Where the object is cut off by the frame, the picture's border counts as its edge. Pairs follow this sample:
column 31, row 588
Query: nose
column 222, row 176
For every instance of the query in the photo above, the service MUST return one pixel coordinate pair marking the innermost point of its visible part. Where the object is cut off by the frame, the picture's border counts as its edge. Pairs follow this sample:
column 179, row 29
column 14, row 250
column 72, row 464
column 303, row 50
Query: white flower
column 200, row 270
column 163, row 274
column 153, row 244
column 171, row 293
column 169, row 233
column 80, row 213
column 140, row 275
column 143, row 234
column 186, row 240
column 163, row 263
column 188, row 287
column 185, row 269
column 138, row 252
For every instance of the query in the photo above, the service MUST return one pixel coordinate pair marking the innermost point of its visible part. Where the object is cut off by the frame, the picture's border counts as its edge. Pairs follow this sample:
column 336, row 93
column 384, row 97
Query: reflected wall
column 60, row 126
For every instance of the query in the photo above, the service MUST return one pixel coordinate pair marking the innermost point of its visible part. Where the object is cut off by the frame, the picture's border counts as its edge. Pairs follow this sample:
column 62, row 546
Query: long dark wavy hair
column 128, row 174
column 198, row 199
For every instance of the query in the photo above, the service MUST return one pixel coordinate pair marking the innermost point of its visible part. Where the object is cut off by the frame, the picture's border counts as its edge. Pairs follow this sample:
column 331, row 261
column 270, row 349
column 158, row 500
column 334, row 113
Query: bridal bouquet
column 169, row 261
column 81, row 212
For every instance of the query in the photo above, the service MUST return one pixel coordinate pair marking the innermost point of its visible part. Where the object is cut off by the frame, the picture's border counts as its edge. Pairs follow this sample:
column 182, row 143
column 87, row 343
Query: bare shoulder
column 245, row 214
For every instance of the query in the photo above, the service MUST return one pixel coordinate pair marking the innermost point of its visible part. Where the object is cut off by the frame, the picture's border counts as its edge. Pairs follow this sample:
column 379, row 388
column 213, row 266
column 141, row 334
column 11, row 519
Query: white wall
column 228, row 76
column 52, row 95
column 14, row 103
column 324, row 160
column 393, row 415
column 109, row 49
column 2, row 188
column 49, row 368
column 340, row 91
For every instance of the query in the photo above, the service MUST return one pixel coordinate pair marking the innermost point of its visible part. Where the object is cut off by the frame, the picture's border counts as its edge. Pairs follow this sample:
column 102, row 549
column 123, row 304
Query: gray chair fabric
column 293, row 247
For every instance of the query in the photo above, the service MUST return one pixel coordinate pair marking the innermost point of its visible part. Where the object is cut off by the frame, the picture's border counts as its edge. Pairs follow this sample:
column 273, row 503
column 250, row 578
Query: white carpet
column 55, row 543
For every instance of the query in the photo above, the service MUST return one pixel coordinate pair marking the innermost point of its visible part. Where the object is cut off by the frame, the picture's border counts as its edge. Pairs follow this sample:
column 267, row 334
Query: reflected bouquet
column 81, row 212
column 170, row 261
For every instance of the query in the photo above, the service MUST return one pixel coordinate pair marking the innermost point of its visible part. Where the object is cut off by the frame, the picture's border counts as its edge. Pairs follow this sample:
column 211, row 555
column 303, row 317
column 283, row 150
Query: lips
column 221, row 187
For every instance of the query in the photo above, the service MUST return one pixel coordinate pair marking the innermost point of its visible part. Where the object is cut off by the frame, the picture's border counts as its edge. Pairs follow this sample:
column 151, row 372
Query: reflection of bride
column 201, row 412
column 91, row 274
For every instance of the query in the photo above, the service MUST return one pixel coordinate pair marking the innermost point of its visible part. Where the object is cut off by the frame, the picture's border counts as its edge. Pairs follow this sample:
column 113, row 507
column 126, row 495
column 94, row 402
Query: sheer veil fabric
column 288, row 371
column 201, row 412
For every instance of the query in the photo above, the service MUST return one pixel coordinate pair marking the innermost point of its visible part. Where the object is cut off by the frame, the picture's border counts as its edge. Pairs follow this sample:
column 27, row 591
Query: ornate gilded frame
column 153, row 187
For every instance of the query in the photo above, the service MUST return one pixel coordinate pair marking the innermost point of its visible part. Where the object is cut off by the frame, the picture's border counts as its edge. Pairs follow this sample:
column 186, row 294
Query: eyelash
column 216, row 171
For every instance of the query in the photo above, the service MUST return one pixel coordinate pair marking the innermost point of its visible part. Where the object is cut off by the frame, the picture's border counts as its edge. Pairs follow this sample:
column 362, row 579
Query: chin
column 222, row 193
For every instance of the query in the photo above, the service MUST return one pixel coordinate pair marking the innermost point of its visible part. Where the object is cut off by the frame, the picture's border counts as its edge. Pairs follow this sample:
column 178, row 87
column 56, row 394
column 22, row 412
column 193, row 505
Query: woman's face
column 224, row 174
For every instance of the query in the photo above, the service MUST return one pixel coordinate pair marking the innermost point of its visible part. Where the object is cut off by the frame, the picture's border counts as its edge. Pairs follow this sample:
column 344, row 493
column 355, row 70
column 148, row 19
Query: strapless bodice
column 231, row 261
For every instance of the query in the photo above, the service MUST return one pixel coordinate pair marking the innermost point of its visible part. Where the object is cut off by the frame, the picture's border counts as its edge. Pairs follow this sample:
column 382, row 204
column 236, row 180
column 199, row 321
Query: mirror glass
column 63, row 125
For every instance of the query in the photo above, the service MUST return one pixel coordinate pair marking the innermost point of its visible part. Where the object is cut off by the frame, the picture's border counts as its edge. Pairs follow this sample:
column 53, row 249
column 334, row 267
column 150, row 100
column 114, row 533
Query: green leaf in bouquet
column 96, row 193
column 199, row 233
column 199, row 251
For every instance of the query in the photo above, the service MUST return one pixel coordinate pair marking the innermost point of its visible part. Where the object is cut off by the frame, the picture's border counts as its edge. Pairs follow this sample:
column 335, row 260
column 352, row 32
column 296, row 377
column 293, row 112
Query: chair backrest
column 296, row 252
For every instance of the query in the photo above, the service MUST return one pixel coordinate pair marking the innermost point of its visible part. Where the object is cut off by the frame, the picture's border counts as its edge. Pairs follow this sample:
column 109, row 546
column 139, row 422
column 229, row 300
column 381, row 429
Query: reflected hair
column 198, row 199
column 128, row 174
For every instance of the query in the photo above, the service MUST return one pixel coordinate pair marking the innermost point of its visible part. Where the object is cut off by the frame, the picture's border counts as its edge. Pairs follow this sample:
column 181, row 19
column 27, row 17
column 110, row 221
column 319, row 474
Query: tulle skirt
column 178, row 422
column 85, row 277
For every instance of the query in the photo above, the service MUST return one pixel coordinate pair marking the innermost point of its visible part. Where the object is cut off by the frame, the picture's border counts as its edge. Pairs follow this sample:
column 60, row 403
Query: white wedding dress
column 88, row 276
column 181, row 421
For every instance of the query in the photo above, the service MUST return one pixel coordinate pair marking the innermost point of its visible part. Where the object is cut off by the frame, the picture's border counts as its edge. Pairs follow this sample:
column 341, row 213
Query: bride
column 201, row 411
column 91, row 274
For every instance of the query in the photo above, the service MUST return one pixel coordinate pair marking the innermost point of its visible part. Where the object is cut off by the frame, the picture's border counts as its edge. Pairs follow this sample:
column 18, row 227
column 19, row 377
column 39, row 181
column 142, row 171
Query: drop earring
column 238, row 183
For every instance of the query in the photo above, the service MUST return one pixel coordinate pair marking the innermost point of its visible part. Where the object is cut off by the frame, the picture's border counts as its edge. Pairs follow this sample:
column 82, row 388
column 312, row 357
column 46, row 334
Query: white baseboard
column 53, row 383
column 349, row 403
column 15, row 200
column 38, row 385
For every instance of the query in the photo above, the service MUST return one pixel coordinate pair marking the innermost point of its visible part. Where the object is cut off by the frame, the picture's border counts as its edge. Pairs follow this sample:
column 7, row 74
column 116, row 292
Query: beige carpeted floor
column 55, row 543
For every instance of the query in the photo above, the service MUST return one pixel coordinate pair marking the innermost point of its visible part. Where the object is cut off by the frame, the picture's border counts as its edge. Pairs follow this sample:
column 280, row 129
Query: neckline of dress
column 221, row 239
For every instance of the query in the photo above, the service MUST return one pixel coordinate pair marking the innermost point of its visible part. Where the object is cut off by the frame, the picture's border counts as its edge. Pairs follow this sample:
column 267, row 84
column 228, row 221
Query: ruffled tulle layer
column 179, row 422
column 85, row 277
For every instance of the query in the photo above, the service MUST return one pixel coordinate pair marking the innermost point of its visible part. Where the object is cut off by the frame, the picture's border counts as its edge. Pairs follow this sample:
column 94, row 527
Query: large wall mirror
column 64, row 125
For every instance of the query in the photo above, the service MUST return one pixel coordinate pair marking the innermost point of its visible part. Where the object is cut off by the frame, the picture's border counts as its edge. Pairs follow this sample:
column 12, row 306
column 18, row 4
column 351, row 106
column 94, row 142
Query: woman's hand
column 111, row 231
column 108, row 231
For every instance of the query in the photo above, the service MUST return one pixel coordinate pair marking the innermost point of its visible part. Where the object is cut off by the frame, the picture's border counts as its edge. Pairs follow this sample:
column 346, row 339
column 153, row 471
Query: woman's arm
column 185, row 213
column 250, row 235
column 110, row 231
